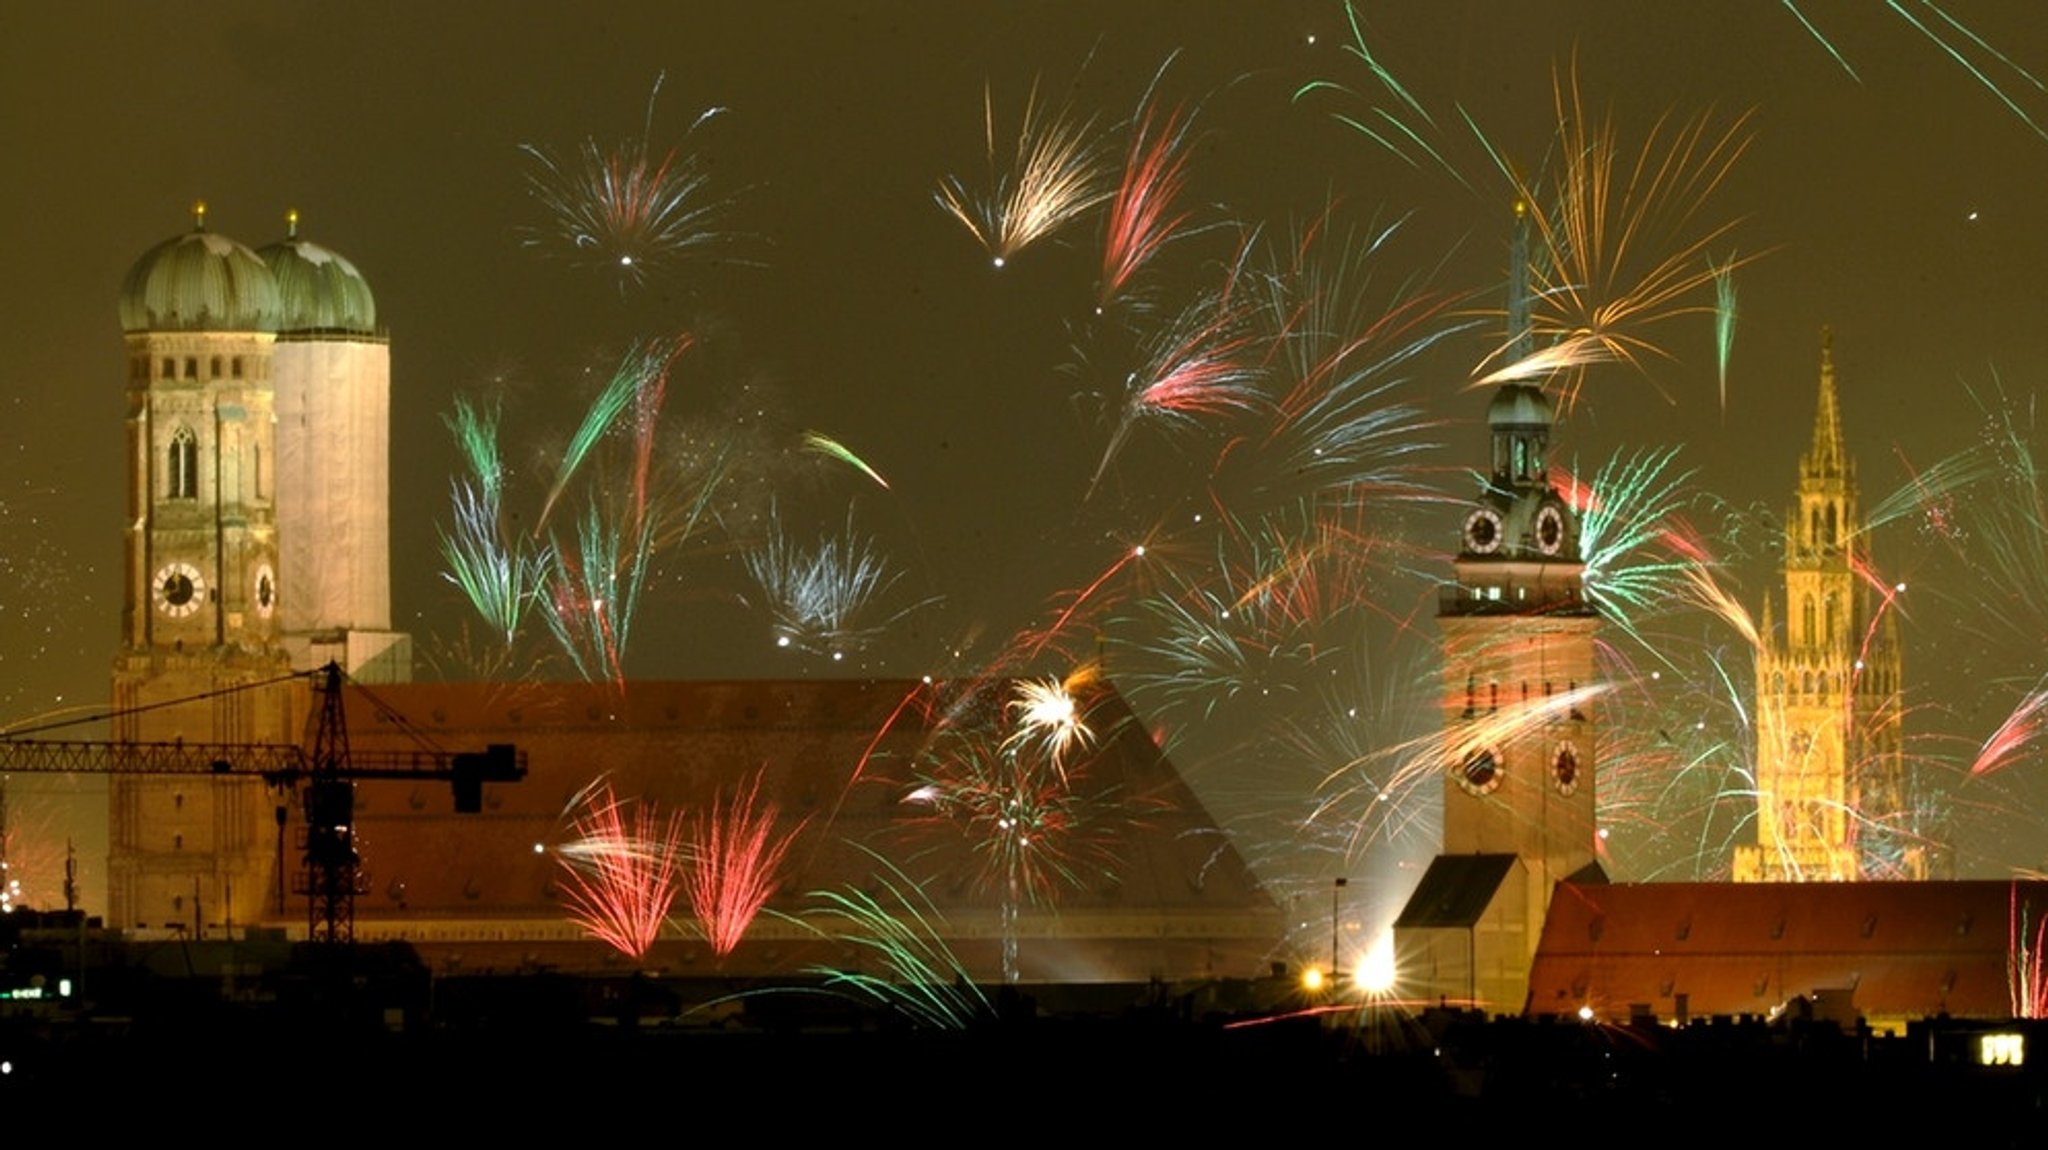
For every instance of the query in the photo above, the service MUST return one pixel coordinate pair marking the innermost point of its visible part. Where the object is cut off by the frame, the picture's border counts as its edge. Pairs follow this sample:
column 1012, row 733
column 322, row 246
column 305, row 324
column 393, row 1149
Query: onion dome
column 318, row 290
column 199, row 281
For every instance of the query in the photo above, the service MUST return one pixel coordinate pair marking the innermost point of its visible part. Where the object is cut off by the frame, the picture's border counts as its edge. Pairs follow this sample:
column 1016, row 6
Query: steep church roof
column 1826, row 458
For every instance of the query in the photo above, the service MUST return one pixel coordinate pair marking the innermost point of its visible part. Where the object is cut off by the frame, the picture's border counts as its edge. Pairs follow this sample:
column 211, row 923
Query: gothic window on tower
column 183, row 478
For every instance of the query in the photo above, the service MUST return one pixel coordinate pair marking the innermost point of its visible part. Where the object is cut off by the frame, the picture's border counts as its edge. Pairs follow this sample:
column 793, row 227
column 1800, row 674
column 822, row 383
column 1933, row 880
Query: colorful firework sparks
column 735, row 854
column 1638, row 551
column 1141, row 213
column 893, row 921
column 593, row 592
column 1335, row 357
column 631, row 208
column 1056, row 176
column 1037, row 827
column 818, row 596
column 496, row 569
column 822, row 444
column 2015, row 736
column 2026, row 968
column 1198, row 367
column 1619, row 244
column 1049, row 717
column 622, row 866
column 639, row 383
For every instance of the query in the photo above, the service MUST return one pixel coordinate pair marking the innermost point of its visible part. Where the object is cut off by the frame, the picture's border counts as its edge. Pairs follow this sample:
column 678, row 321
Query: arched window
column 170, row 368
column 237, row 367
column 214, row 368
column 182, row 480
column 1831, row 527
column 1831, row 619
column 1806, row 619
column 256, row 467
column 191, row 367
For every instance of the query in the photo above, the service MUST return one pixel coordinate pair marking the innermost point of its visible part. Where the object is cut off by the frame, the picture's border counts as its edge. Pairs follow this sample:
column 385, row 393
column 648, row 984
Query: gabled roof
column 849, row 765
column 1454, row 891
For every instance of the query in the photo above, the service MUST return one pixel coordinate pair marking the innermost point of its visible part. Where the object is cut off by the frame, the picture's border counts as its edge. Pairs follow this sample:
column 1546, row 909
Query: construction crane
column 323, row 774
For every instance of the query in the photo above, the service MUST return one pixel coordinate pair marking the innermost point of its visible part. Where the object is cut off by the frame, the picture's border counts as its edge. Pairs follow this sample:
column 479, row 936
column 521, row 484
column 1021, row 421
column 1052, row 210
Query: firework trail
column 2026, row 973
column 496, row 569
column 622, row 867
column 1725, row 314
column 1955, row 40
column 1198, row 367
column 1404, row 129
column 630, row 208
column 639, row 383
column 735, row 854
column 1141, row 213
column 822, row 444
column 897, row 926
column 1056, row 176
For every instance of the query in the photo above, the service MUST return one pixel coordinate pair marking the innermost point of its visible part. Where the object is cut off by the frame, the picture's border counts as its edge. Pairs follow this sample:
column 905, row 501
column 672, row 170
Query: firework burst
column 622, row 866
column 735, row 853
column 1056, row 176
column 632, row 208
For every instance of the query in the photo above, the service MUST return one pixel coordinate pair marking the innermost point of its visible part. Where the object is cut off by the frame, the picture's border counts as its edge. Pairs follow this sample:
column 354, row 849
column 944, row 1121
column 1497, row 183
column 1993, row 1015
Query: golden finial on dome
column 291, row 223
column 199, row 215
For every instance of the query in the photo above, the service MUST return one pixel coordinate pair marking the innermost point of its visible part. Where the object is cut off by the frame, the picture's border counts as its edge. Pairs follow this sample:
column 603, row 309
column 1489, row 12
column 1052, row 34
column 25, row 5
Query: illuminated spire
column 1521, row 328
column 1825, row 459
column 291, row 223
column 199, row 215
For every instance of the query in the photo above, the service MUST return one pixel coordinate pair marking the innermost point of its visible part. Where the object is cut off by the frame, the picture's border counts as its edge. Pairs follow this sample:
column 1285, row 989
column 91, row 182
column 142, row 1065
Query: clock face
column 1550, row 530
column 1482, row 531
column 178, row 589
column 1564, row 767
column 1479, row 774
column 266, row 591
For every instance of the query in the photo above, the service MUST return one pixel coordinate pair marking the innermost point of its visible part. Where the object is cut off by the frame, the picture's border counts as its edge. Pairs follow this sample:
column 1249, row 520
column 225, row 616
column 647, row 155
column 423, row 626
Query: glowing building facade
column 256, row 545
column 1830, row 765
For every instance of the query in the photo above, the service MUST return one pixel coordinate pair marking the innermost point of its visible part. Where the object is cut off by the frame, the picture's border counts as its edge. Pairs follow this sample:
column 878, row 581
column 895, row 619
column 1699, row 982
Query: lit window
column 184, row 465
column 2001, row 1049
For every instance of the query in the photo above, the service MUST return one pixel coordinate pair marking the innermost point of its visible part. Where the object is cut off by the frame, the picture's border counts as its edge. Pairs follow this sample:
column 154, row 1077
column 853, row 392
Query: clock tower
column 200, row 618
column 1518, row 756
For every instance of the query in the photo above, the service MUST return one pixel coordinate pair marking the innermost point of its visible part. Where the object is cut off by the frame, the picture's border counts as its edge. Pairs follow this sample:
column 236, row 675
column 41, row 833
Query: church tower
column 1519, row 757
column 333, row 405
column 1830, row 764
column 202, row 585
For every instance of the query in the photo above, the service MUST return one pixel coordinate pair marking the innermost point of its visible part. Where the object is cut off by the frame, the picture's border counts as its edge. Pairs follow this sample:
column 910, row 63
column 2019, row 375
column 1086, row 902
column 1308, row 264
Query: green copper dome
column 199, row 281
column 318, row 290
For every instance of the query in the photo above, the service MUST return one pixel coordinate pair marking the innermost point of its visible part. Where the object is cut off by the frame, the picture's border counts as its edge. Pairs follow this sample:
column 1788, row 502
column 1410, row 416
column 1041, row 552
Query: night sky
column 1899, row 206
